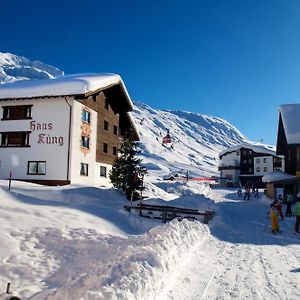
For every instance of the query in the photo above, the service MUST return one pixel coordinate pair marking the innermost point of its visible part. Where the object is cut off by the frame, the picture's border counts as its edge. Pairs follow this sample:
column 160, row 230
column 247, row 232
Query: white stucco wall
column 77, row 156
column 48, row 140
column 259, row 163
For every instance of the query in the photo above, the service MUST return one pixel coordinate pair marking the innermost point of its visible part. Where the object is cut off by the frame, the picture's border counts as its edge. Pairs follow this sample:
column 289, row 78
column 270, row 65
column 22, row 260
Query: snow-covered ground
column 196, row 140
column 78, row 242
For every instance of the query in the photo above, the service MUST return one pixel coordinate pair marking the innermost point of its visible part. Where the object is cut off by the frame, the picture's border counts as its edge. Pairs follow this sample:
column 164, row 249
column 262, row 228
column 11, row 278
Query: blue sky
column 238, row 60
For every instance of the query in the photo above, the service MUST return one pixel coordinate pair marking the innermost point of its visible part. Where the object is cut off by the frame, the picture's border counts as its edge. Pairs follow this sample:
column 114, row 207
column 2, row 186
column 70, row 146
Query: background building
column 248, row 163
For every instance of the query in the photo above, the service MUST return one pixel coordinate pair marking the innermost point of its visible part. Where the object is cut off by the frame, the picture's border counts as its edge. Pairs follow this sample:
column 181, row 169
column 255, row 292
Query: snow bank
column 118, row 268
column 189, row 194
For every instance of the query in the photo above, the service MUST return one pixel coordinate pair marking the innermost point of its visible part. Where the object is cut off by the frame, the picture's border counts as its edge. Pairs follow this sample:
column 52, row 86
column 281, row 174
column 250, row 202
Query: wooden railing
column 168, row 213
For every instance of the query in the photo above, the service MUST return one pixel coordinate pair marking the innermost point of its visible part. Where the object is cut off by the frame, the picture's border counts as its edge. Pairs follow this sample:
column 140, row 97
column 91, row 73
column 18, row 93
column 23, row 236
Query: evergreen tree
column 126, row 173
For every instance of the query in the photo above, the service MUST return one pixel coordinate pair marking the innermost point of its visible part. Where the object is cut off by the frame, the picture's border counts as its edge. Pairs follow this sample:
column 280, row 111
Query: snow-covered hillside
column 13, row 68
column 196, row 140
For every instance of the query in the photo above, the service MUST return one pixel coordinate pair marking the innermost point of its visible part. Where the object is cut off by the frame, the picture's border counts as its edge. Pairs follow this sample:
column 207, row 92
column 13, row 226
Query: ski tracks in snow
column 221, row 270
column 251, row 265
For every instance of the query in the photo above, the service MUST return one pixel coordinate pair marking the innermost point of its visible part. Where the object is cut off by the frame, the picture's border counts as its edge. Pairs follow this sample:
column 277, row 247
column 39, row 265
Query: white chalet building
column 248, row 163
column 63, row 130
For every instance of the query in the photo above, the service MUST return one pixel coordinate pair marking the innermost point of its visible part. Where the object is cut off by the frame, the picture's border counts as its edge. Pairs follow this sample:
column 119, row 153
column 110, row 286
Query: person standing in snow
column 278, row 206
column 297, row 215
column 289, row 201
column 247, row 193
column 274, row 219
column 256, row 193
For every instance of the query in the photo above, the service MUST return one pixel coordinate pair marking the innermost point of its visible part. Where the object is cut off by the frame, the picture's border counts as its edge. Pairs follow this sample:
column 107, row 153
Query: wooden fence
column 168, row 213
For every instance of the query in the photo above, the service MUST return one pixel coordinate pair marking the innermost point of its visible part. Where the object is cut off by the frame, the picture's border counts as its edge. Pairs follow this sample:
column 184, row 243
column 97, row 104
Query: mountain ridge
column 14, row 68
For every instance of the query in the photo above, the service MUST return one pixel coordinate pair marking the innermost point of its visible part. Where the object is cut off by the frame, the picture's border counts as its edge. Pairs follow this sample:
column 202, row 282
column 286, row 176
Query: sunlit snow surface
column 14, row 68
column 196, row 141
column 79, row 243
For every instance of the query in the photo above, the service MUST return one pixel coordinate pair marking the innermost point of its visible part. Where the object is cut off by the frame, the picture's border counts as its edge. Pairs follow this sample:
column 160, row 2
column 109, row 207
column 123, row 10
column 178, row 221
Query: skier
column 274, row 219
column 297, row 215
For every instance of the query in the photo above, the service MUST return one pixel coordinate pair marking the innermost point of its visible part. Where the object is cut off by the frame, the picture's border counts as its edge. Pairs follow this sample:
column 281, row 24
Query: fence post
column 7, row 288
column 9, row 182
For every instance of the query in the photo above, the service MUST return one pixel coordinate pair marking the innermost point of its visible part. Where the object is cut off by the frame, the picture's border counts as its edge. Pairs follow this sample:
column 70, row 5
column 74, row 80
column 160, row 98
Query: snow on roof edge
column 256, row 147
column 66, row 85
column 277, row 176
column 290, row 114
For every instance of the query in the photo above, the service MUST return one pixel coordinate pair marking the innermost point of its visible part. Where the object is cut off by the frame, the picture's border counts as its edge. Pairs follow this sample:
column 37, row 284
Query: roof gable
column 76, row 84
column 290, row 115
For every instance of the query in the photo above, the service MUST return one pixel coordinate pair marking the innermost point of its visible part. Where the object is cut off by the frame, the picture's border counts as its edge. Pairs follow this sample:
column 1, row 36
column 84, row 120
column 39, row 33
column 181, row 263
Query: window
column 258, row 169
column 105, row 125
column 245, row 161
column 106, row 105
column 238, row 152
column 84, row 169
column 86, row 116
column 103, row 171
column 265, row 160
column 36, row 168
column 265, row 169
column 250, row 161
column 15, row 139
column 244, row 152
column 258, row 161
column 114, row 150
column 94, row 97
column 250, row 170
column 115, row 130
column 17, row 112
column 105, row 148
column 85, row 142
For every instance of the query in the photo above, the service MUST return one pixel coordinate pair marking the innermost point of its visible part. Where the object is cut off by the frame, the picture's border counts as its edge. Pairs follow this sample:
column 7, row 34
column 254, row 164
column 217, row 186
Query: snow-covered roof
column 290, row 114
column 255, row 147
column 278, row 176
column 75, row 84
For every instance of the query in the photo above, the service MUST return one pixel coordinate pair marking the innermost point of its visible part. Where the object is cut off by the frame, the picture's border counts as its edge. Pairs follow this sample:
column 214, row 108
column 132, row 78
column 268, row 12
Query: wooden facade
column 113, row 122
column 290, row 151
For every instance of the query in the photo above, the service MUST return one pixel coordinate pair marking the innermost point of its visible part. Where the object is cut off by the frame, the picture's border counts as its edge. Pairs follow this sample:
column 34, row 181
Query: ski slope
column 78, row 242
